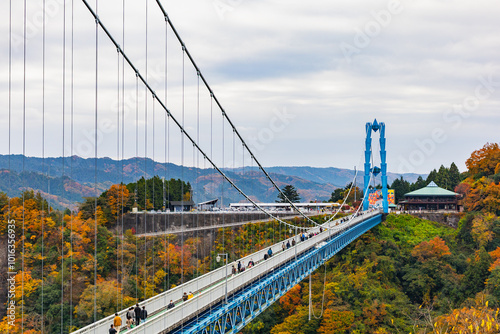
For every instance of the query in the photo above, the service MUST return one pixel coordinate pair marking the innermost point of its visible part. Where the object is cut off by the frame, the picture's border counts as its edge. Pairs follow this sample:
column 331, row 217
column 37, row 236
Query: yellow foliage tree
column 106, row 293
column 469, row 320
column 482, row 229
column 118, row 196
column 25, row 285
column 336, row 321
column 293, row 324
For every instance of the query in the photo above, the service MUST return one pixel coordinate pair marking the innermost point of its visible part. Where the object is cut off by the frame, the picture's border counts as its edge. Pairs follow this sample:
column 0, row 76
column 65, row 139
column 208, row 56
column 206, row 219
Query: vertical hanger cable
column 95, row 156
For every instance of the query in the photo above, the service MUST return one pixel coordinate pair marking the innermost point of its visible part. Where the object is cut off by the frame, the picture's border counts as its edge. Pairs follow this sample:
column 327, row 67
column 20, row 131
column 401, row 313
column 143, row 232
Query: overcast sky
column 299, row 79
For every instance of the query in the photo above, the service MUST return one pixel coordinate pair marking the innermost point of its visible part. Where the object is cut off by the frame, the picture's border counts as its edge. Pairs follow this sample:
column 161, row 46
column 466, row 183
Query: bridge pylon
column 374, row 127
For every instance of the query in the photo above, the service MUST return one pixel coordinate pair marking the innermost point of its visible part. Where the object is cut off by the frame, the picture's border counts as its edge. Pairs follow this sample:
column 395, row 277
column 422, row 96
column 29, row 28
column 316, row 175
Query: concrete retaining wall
column 449, row 218
column 176, row 222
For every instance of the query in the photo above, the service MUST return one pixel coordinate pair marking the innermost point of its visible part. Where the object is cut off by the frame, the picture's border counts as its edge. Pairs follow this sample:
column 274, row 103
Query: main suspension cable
column 224, row 115
column 179, row 125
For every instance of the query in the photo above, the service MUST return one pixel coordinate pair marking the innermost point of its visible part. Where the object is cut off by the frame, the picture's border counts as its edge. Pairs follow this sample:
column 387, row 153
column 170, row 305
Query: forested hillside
column 60, row 261
column 405, row 276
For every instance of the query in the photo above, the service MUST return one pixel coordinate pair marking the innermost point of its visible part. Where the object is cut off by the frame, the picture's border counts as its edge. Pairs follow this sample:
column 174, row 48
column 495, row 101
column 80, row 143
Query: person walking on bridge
column 117, row 322
column 137, row 312
column 144, row 314
column 171, row 304
column 130, row 317
column 112, row 330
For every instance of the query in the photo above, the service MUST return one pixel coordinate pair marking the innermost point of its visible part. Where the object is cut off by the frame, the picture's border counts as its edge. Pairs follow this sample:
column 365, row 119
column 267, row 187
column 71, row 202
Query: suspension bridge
column 226, row 302
column 173, row 111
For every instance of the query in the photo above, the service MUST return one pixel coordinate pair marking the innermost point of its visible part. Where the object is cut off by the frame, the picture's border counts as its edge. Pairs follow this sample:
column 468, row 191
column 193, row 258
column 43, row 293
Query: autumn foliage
column 478, row 319
column 482, row 186
column 435, row 248
column 60, row 258
column 336, row 321
column 117, row 196
column 291, row 299
column 495, row 255
column 406, row 275
column 485, row 161
column 481, row 195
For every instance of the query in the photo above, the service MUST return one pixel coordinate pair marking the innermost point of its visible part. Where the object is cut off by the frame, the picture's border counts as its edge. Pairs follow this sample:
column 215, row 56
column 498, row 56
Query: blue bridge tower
column 375, row 170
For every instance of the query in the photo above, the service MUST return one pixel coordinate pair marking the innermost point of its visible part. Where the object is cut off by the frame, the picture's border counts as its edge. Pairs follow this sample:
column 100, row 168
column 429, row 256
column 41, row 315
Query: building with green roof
column 431, row 198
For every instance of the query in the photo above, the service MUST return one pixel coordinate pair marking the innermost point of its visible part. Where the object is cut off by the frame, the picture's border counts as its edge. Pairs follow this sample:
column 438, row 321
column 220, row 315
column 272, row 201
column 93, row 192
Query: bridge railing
column 160, row 301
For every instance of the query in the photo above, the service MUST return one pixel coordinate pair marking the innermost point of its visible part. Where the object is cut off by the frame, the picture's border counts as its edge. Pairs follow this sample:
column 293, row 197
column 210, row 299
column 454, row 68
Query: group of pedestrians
column 185, row 297
column 135, row 317
column 268, row 254
column 240, row 267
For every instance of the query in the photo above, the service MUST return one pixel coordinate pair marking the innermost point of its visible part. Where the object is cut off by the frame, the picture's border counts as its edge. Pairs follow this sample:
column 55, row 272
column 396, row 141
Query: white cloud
column 268, row 55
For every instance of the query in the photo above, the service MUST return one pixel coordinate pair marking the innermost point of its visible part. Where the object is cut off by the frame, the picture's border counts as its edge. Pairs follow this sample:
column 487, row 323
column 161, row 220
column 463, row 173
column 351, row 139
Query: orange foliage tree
column 435, row 248
column 374, row 313
column 483, row 195
column 495, row 255
column 291, row 299
column 484, row 160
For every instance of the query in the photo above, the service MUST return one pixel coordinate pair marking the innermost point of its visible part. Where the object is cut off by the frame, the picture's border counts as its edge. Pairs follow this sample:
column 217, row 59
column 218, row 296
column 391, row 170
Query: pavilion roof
column 432, row 189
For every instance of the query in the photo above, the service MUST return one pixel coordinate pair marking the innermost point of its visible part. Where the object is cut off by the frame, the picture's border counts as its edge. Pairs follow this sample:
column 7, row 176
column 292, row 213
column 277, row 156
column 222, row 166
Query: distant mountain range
column 65, row 183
